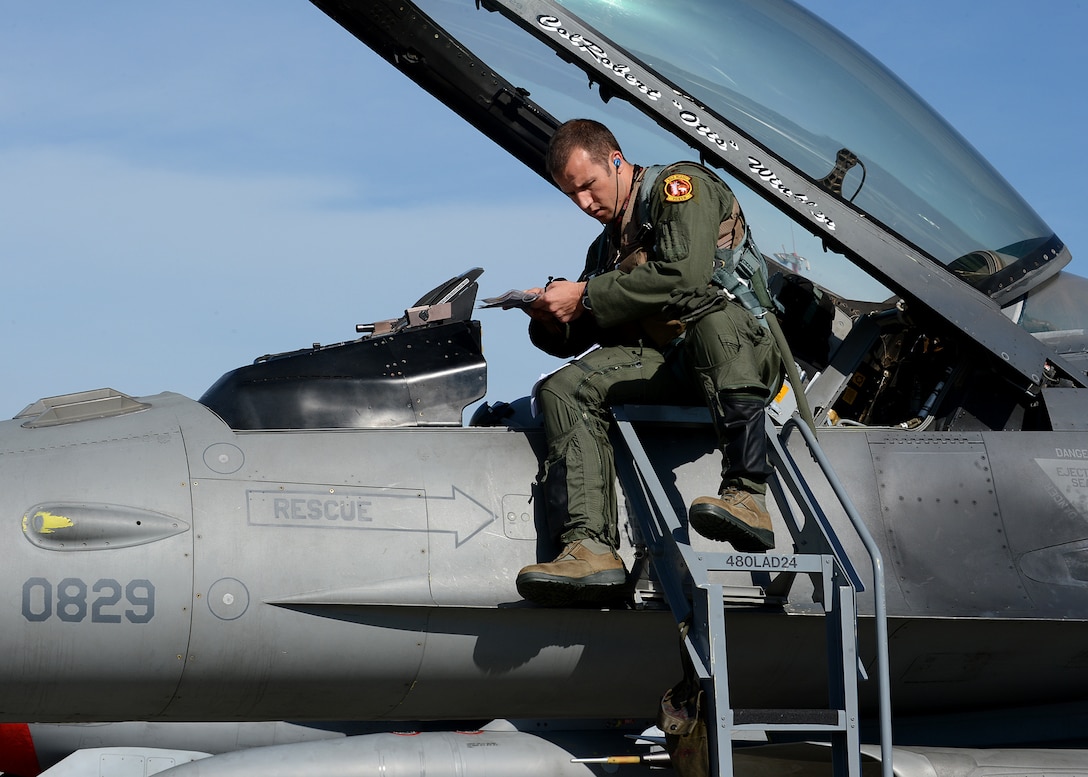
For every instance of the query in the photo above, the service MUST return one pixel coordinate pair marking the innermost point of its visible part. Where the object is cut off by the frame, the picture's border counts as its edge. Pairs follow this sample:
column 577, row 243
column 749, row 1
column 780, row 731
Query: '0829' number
column 73, row 600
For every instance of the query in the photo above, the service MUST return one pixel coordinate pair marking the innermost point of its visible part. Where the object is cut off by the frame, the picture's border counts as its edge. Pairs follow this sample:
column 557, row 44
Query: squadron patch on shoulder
column 678, row 188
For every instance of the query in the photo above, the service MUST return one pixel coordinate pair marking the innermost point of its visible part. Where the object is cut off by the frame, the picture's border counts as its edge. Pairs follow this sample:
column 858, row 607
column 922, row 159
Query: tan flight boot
column 586, row 571
column 736, row 516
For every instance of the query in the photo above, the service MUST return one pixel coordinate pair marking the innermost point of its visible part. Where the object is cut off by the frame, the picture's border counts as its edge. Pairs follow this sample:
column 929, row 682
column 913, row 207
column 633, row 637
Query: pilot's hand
column 537, row 312
column 562, row 300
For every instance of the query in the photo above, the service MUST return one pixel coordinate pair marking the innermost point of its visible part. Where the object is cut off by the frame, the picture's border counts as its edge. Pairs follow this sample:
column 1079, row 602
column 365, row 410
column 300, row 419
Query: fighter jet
column 323, row 536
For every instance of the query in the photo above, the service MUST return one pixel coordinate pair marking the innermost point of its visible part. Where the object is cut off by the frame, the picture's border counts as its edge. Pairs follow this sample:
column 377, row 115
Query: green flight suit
column 723, row 358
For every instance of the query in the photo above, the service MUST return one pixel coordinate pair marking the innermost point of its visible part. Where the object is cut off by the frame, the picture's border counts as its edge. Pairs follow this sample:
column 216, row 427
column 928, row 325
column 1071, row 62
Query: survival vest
column 740, row 270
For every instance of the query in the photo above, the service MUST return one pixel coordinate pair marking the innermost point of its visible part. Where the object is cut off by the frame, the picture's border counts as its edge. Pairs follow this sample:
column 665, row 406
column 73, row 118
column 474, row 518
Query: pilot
column 665, row 335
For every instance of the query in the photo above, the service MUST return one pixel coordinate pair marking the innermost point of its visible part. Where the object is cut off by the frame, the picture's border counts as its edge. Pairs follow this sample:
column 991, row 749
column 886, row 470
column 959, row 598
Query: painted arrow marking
column 369, row 509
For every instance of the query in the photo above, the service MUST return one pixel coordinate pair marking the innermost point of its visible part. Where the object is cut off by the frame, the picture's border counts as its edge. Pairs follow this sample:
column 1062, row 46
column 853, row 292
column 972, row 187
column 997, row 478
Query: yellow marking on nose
column 47, row 522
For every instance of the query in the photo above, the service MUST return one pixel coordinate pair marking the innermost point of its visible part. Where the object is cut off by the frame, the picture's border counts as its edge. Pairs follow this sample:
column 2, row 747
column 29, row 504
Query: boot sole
column 557, row 591
column 715, row 523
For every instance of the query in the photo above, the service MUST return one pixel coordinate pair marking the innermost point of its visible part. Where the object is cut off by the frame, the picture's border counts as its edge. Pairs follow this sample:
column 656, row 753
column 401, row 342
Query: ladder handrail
column 880, row 604
column 786, row 469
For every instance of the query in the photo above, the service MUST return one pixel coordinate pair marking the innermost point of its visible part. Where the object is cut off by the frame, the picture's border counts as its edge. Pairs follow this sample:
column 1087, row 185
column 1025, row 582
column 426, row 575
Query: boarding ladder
column 680, row 569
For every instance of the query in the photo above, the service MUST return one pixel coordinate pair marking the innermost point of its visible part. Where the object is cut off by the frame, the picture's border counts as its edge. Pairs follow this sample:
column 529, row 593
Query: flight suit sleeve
column 686, row 208
column 570, row 339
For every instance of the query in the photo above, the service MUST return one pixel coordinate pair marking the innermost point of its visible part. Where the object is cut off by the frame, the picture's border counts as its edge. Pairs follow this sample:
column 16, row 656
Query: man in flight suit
column 643, row 298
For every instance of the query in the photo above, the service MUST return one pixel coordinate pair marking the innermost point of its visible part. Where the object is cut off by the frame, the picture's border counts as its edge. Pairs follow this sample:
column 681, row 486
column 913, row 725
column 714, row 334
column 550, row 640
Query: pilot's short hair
column 587, row 134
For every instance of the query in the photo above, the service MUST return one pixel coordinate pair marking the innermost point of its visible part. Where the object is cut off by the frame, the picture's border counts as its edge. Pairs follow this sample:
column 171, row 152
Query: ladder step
column 763, row 562
column 789, row 719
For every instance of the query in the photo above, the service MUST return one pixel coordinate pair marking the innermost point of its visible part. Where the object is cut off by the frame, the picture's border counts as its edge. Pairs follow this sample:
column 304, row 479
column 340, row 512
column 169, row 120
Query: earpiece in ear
column 616, row 162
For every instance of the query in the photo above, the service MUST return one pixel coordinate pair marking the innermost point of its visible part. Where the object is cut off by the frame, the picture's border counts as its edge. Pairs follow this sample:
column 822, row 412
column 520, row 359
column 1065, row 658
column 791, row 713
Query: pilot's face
column 593, row 187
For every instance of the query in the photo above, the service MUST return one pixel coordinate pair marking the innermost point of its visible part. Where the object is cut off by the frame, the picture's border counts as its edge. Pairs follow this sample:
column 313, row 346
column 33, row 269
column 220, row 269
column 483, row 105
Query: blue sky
column 185, row 187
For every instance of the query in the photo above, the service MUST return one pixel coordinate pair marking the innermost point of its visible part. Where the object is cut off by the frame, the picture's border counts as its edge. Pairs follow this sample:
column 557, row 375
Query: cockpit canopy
column 800, row 89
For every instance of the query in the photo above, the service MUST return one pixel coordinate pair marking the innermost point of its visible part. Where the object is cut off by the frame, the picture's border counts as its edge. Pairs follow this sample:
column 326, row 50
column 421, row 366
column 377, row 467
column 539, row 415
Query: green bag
column 682, row 717
column 685, row 731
